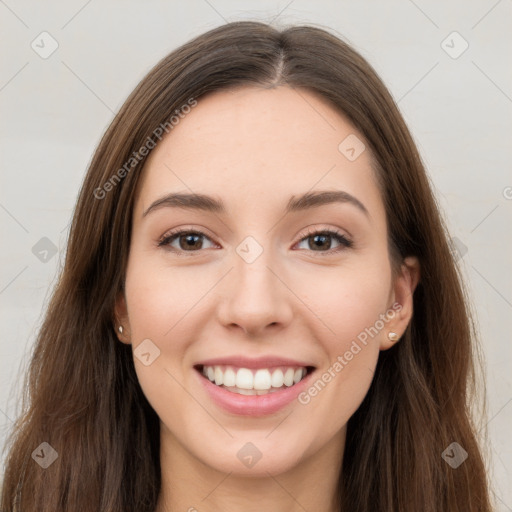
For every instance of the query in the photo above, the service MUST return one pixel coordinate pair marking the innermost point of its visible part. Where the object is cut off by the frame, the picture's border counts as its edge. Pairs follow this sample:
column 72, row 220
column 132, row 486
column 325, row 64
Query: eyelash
column 344, row 242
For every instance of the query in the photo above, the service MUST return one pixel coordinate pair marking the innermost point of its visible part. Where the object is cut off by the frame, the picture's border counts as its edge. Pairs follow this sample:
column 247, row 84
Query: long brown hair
column 82, row 395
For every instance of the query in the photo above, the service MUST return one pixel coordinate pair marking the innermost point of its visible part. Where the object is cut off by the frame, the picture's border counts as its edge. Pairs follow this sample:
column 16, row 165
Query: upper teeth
column 261, row 379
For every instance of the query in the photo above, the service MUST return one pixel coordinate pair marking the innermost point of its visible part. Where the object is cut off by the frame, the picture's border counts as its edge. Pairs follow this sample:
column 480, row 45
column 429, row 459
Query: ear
column 121, row 319
column 401, row 301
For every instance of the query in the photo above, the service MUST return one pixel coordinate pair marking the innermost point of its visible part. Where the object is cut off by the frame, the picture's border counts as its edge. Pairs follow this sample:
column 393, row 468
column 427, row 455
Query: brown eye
column 319, row 240
column 190, row 241
column 187, row 241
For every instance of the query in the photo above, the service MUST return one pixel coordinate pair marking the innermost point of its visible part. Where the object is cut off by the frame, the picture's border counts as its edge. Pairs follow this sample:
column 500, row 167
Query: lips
column 253, row 386
column 254, row 362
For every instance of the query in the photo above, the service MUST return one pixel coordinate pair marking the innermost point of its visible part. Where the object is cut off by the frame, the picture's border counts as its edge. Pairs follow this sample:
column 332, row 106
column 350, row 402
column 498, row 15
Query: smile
column 261, row 381
column 253, row 387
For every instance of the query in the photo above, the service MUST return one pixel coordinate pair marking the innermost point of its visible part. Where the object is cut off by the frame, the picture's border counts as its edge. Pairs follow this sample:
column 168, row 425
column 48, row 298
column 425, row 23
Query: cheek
column 160, row 304
column 351, row 305
column 351, row 302
column 348, row 300
column 160, row 297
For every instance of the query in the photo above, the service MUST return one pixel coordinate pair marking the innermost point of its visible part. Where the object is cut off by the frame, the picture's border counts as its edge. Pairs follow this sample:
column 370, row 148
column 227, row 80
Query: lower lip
column 253, row 405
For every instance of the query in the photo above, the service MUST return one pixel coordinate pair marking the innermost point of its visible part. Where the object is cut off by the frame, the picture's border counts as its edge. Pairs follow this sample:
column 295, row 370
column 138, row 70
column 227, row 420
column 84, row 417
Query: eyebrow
column 210, row 204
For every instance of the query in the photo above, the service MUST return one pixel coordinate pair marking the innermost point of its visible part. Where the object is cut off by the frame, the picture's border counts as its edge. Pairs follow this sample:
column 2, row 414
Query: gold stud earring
column 393, row 336
column 120, row 329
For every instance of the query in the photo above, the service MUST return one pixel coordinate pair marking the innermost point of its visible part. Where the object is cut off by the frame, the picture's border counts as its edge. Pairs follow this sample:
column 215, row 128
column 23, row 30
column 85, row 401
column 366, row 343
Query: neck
column 189, row 485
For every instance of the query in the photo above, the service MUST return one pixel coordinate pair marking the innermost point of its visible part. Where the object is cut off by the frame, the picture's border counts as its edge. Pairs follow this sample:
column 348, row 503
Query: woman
column 259, row 308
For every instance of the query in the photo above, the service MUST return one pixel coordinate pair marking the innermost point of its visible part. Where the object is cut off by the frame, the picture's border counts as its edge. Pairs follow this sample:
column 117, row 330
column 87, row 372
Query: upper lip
column 253, row 362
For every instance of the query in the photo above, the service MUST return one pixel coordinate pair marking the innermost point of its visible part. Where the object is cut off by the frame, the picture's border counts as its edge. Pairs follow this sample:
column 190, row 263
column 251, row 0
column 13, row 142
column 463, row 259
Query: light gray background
column 54, row 111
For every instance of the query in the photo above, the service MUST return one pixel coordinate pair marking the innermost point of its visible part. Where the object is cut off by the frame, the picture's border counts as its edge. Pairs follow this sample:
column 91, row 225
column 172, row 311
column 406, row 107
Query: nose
column 256, row 298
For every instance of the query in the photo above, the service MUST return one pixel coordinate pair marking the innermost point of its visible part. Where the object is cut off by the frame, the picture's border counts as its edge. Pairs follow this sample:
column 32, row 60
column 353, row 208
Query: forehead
column 252, row 144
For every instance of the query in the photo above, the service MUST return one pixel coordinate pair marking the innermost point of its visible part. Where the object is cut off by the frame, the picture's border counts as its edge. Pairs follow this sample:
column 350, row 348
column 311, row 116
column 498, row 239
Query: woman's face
column 262, row 287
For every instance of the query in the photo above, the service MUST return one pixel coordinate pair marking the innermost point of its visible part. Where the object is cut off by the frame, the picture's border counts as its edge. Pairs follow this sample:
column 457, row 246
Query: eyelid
column 345, row 243
column 163, row 241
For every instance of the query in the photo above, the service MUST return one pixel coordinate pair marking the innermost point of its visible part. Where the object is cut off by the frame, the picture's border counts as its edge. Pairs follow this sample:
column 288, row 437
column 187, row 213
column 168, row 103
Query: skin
column 254, row 148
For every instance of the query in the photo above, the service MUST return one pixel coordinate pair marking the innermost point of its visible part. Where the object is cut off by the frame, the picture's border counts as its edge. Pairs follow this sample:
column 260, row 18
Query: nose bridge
column 256, row 297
